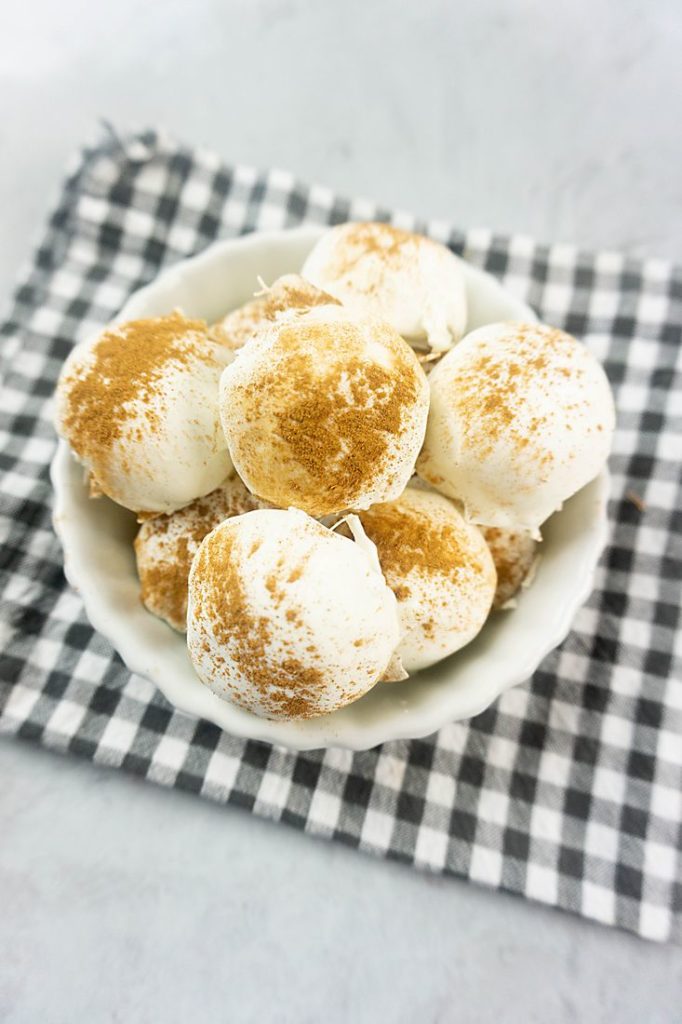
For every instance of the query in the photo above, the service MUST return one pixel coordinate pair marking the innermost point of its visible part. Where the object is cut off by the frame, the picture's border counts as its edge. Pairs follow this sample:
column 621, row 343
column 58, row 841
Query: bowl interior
column 99, row 561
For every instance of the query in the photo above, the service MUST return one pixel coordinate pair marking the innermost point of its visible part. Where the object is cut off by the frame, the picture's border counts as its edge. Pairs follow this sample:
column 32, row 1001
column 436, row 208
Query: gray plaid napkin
column 567, row 790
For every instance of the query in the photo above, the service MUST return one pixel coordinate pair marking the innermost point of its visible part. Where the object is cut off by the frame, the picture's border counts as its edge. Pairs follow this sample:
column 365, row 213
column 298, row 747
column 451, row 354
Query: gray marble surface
column 120, row 902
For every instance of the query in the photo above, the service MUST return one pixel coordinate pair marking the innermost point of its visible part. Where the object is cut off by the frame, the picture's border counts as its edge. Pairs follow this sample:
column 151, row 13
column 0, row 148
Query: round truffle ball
column 286, row 618
column 521, row 418
column 166, row 545
column 440, row 570
column 289, row 295
column 515, row 556
column 325, row 412
column 139, row 407
column 412, row 282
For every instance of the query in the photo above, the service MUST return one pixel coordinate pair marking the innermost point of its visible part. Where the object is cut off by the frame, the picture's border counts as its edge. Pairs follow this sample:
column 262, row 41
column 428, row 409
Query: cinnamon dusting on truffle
column 166, row 545
column 411, row 540
column 439, row 569
column 288, row 294
column 514, row 554
column 335, row 414
column 494, row 387
column 114, row 389
column 288, row 687
column 392, row 245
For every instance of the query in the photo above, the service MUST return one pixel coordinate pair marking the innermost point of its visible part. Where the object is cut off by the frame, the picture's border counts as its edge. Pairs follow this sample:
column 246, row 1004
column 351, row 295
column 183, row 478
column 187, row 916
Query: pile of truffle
column 271, row 460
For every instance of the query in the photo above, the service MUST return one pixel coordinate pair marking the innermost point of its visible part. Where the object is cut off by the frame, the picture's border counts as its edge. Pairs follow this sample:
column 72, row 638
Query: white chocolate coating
column 440, row 569
column 147, row 429
column 286, row 618
column 412, row 282
column 166, row 545
column 325, row 412
column 515, row 554
column 521, row 418
column 287, row 296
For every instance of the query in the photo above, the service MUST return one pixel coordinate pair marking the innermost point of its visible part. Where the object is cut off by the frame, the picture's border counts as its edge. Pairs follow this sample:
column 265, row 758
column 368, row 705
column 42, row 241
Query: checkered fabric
column 568, row 790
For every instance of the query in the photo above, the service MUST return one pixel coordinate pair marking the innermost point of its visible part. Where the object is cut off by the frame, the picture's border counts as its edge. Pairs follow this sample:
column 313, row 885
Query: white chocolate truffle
column 166, row 545
column 325, row 412
column 440, row 570
column 412, row 282
column 139, row 406
column 515, row 556
column 286, row 618
column 288, row 296
column 521, row 418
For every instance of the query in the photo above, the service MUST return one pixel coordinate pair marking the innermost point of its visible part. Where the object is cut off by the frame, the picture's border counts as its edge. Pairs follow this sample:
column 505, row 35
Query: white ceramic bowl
column 99, row 562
